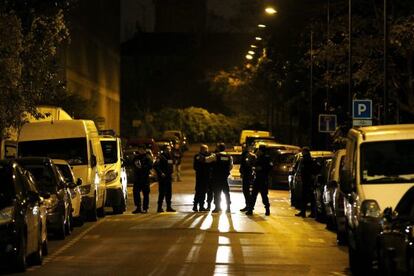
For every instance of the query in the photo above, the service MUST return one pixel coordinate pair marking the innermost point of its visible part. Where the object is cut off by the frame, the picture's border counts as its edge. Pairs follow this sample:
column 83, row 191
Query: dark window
column 66, row 172
column 7, row 189
column 387, row 162
column 73, row 150
column 110, row 151
column 44, row 177
column 236, row 158
column 405, row 208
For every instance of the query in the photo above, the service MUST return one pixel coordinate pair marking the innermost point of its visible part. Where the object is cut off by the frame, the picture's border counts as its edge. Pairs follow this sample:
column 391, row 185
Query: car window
column 110, row 151
column 26, row 182
column 66, row 172
column 7, row 188
column 387, row 162
column 44, row 177
column 405, row 208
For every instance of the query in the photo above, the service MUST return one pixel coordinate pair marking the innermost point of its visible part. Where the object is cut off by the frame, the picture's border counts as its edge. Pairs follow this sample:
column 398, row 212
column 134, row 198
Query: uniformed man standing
column 164, row 168
column 177, row 154
column 246, row 173
column 221, row 168
column 203, row 171
column 142, row 164
column 263, row 165
column 307, row 170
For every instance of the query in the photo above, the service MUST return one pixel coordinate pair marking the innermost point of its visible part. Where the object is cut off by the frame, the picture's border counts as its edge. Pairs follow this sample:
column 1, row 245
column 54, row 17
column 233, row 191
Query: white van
column 77, row 142
column 115, row 174
column 378, row 170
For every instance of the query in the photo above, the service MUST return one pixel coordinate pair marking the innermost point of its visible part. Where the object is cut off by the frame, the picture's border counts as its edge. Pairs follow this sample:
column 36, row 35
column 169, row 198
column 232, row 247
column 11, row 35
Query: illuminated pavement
column 187, row 243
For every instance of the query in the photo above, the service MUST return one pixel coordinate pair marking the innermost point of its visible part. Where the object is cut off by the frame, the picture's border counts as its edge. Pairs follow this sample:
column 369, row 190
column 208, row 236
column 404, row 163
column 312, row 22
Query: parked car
column 252, row 133
column 395, row 245
column 296, row 185
column 234, row 179
column 23, row 233
column 321, row 180
column 283, row 161
column 250, row 140
column 77, row 142
column 115, row 174
column 378, row 171
column 74, row 190
column 149, row 143
column 176, row 135
column 49, row 181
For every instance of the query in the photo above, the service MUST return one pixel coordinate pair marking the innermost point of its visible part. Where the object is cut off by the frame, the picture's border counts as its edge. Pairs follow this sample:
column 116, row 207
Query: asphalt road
column 187, row 243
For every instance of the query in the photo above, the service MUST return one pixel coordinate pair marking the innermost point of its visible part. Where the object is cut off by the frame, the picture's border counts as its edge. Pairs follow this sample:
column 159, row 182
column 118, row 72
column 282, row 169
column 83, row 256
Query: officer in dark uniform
column 164, row 168
column 246, row 172
column 142, row 164
column 263, row 165
column 203, row 171
column 307, row 170
column 221, row 168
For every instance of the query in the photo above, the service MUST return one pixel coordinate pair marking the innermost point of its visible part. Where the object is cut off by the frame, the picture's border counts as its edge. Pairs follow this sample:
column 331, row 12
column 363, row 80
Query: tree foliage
column 28, row 57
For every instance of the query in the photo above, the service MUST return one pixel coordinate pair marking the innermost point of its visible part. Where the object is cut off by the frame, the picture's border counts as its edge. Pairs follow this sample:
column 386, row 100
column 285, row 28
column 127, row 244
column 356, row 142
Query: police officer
column 221, row 168
column 203, row 171
column 164, row 168
column 307, row 168
column 263, row 165
column 246, row 172
column 142, row 165
column 177, row 156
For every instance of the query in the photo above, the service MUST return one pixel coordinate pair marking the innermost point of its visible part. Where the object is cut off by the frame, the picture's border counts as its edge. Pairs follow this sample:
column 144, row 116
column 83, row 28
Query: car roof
column 34, row 160
column 60, row 162
column 384, row 132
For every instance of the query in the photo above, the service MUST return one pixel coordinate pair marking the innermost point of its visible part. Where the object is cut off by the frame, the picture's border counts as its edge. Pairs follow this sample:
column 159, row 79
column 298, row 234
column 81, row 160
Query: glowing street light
column 251, row 52
column 261, row 26
column 249, row 57
column 270, row 11
column 258, row 38
column 253, row 46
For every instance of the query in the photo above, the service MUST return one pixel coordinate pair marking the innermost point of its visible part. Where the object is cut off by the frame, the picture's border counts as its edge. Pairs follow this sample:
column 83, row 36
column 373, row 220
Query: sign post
column 362, row 112
column 327, row 123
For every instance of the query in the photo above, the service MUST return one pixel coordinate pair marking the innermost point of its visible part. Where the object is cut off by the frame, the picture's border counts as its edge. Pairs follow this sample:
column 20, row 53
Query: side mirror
column 388, row 214
column 33, row 197
column 79, row 181
column 93, row 161
column 370, row 209
column 346, row 182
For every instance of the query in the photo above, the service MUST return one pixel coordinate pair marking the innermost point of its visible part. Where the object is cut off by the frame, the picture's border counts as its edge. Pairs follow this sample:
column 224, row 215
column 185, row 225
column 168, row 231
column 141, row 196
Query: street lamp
column 249, row 57
column 253, row 46
column 258, row 38
column 261, row 26
column 251, row 52
column 270, row 11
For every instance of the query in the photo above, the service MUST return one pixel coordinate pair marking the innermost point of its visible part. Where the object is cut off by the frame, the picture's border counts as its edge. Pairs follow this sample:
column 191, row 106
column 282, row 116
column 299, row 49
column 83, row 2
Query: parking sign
column 362, row 109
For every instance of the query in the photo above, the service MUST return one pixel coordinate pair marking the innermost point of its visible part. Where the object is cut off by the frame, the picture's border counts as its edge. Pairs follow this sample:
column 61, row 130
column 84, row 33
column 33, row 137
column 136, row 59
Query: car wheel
column 37, row 257
column 20, row 263
column 61, row 232
column 92, row 214
column 68, row 225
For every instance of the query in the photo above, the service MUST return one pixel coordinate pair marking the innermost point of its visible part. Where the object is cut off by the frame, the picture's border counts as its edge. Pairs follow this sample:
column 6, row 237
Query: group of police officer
column 213, row 169
column 164, row 165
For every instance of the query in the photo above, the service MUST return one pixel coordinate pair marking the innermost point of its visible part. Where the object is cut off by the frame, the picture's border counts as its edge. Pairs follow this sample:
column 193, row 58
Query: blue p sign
column 362, row 109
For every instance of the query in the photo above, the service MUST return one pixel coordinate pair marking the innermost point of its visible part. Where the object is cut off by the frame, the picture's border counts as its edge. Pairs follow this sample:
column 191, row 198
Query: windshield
column 387, row 162
column 73, row 150
column 43, row 175
column 285, row 158
column 66, row 172
column 405, row 208
column 110, row 151
column 7, row 191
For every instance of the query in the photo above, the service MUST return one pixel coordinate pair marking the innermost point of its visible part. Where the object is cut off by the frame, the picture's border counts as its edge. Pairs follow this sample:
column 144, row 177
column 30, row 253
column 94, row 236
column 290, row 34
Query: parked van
column 378, row 171
column 77, row 142
column 252, row 133
column 115, row 174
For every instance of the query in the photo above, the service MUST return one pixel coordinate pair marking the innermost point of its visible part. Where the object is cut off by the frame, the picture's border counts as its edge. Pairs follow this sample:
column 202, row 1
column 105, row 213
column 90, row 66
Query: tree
column 28, row 58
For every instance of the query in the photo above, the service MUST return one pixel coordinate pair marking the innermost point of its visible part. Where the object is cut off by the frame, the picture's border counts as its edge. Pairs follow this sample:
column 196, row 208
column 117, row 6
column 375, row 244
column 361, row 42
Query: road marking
column 316, row 240
column 82, row 234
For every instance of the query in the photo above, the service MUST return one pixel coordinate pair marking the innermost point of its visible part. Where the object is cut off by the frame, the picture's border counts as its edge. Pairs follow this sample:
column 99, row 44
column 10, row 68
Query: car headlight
column 85, row 189
column 6, row 215
column 110, row 176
